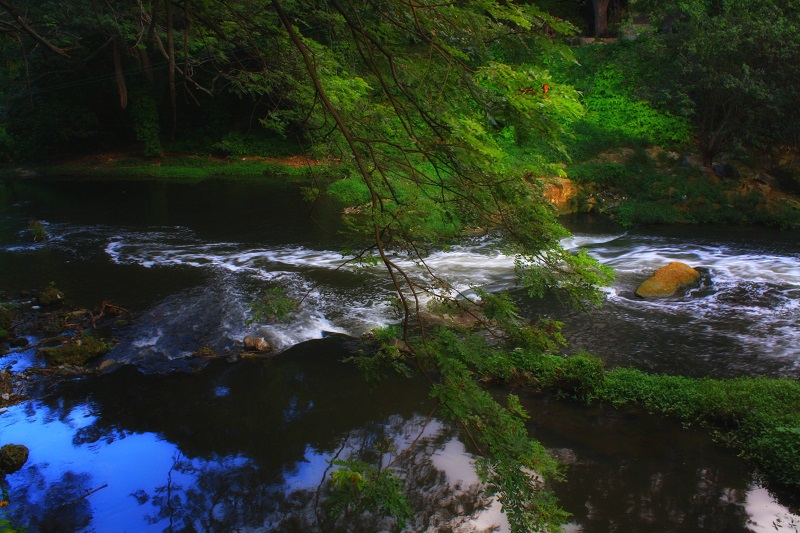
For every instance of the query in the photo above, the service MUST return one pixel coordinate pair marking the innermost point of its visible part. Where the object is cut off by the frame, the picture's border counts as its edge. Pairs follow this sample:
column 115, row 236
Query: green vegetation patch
column 6, row 318
column 610, row 79
column 193, row 169
column 758, row 417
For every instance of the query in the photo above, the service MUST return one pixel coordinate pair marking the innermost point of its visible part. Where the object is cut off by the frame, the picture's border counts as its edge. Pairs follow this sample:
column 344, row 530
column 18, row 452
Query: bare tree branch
column 30, row 31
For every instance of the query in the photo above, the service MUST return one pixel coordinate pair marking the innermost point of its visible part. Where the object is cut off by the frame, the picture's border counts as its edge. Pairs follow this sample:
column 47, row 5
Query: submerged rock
column 668, row 280
column 75, row 352
column 12, row 458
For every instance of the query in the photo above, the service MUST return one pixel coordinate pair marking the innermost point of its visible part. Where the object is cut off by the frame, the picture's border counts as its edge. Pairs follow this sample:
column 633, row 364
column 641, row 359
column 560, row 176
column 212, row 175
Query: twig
column 86, row 495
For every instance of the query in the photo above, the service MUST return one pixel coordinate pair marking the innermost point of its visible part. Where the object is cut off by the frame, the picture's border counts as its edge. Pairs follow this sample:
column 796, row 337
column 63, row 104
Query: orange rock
column 561, row 192
column 667, row 280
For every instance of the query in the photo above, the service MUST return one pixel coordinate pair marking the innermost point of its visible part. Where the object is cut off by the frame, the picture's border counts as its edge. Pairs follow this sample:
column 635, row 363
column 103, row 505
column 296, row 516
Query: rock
column 77, row 351
column 6, row 318
column 51, row 296
column 105, row 365
column 12, row 458
column 726, row 170
column 19, row 342
column 562, row 193
column 461, row 320
column 668, row 280
column 255, row 344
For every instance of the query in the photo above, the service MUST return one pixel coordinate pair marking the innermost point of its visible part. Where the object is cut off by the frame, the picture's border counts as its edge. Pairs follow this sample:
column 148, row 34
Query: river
column 245, row 446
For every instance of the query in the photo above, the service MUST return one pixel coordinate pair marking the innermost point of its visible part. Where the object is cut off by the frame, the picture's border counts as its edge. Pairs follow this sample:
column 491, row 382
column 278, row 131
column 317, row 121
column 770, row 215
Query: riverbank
column 182, row 168
column 633, row 186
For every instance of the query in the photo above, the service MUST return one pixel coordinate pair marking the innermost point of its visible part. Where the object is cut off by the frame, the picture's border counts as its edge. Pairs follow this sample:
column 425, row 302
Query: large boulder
column 12, row 458
column 563, row 194
column 668, row 280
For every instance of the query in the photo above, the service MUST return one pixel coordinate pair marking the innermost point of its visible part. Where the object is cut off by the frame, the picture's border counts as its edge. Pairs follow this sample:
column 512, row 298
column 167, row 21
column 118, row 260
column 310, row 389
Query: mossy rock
column 6, row 317
column 75, row 352
column 12, row 458
column 51, row 296
column 668, row 280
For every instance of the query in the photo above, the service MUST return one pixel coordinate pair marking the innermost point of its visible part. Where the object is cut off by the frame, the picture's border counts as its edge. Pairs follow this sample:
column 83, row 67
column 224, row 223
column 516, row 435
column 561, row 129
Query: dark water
column 246, row 446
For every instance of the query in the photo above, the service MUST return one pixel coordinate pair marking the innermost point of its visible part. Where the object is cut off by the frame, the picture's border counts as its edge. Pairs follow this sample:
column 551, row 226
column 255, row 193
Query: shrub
column 636, row 212
column 144, row 116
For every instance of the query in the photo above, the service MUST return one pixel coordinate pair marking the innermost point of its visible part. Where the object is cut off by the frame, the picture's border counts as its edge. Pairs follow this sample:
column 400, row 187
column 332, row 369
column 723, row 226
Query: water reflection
column 44, row 504
column 249, row 446
column 171, row 452
column 630, row 471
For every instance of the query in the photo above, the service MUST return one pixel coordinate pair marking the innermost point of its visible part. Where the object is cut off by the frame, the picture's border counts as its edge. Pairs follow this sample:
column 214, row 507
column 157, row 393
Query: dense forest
column 715, row 79
column 427, row 121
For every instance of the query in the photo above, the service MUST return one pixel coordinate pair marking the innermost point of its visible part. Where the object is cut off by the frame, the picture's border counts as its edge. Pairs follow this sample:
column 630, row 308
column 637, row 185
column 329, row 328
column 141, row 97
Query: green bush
column 635, row 212
column 273, row 305
column 618, row 112
column 145, row 119
column 350, row 191
column 577, row 377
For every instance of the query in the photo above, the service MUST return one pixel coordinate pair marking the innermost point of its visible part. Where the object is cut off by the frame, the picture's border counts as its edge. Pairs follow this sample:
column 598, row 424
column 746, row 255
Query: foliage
column 512, row 464
column 636, row 212
column 729, row 66
column 272, row 305
column 38, row 230
column 193, row 170
column 8, row 527
column 144, row 116
column 610, row 80
column 757, row 417
column 358, row 487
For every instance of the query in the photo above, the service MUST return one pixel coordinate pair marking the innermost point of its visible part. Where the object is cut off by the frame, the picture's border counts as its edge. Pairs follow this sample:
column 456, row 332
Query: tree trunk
column 171, row 73
column 600, row 17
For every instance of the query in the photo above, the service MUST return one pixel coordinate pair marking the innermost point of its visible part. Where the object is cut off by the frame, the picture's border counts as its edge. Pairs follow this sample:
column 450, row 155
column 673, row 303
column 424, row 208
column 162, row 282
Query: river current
column 246, row 446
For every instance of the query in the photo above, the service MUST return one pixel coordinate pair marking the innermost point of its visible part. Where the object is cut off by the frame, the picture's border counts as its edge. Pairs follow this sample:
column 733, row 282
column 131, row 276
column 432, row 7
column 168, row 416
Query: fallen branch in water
column 86, row 495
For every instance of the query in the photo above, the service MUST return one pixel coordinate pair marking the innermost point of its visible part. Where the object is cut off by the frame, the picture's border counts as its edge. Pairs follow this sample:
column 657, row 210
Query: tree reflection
column 229, row 494
column 43, row 506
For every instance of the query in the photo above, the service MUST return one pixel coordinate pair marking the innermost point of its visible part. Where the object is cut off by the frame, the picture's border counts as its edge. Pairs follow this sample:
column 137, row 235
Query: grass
column 189, row 169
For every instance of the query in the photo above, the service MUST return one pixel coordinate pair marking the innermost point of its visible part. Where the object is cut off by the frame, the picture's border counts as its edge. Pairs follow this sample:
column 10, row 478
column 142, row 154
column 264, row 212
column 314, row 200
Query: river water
column 245, row 446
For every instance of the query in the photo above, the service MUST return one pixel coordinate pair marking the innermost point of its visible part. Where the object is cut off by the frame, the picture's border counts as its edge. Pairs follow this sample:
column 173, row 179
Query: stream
column 170, row 442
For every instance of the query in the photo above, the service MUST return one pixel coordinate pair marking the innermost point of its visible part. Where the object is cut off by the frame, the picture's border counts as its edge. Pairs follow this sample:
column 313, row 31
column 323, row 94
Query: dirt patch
column 295, row 161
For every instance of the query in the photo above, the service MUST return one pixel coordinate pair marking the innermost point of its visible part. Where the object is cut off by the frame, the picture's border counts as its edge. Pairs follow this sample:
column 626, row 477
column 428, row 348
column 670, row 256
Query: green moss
column 6, row 318
column 51, row 296
column 12, row 458
column 77, row 351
